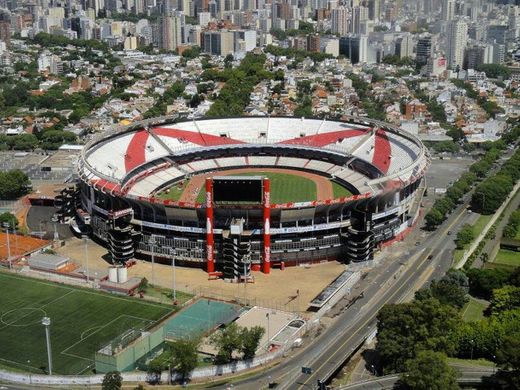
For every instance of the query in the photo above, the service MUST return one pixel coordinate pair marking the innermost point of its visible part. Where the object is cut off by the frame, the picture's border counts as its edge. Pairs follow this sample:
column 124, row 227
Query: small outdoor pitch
column 82, row 321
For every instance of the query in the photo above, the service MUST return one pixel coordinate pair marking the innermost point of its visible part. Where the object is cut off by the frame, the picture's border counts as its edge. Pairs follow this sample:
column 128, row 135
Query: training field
column 82, row 321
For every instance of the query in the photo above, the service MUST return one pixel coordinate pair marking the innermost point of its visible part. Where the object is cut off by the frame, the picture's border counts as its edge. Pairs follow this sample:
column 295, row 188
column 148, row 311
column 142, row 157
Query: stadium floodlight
column 173, row 253
column 152, row 243
column 46, row 321
column 268, row 332
column 85, row 241
column 6, row 226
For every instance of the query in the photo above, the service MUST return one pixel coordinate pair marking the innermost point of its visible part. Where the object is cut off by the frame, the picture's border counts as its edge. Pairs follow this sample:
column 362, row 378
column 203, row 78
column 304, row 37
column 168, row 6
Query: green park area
column 82, row 322
column 468, row 234
column 473, row 310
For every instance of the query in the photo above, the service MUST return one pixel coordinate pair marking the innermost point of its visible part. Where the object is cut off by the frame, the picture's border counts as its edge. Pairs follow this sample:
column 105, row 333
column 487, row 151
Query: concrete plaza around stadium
column 277, row 290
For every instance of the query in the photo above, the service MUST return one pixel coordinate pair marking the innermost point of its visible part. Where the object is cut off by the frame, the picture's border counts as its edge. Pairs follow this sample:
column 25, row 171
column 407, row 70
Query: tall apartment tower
column 340, row 19
column 457, row 39
column 448, row 10
column 374, row 9
column 170, row 32
column 359, row 15
column 424, row 50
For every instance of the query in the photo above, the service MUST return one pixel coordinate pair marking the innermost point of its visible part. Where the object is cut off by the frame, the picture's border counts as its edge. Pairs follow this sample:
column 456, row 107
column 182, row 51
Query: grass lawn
column 82, row 321
column 507, row 257
column 480, row 224
column 285, row 187
column 468, row 362
column 165, row 295
column 340, row 191
column 473, row 310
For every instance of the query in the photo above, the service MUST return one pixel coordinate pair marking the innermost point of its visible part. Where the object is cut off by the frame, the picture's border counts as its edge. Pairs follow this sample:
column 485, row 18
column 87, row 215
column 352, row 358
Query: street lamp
column 152, row 243
column 6, row 226
column 85, row 240
column 173, row 253
column 46, row 321
column 268, row 332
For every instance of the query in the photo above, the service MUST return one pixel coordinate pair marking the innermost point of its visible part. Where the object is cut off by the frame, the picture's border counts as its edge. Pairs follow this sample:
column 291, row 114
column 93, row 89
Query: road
column 349, row 330
column 467, row 376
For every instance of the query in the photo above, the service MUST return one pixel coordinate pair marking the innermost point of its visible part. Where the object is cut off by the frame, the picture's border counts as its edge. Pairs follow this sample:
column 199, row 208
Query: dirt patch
column 19, row 245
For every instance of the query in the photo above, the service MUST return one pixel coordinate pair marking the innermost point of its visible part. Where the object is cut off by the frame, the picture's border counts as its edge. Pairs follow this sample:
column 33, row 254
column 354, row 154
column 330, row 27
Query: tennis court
column 200, row 318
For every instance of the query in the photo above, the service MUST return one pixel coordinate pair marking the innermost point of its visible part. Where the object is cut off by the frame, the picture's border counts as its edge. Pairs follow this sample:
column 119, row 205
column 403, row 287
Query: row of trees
column 493, row 191
column 232, row 342
column 14, row 184
column 477, row 171
column 432, row 322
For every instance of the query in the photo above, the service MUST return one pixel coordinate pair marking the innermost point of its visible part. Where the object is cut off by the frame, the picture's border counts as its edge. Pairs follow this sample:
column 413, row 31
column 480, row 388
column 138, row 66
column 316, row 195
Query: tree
column 227, row 341
column 428, row 371
column 491, row 193
column 449, row 293
column 508, row 356
column 143, row 285
column 407, row 328
column 505, row 298
column 433, row 218
column 482, row 282
column 13, row 184
column 185, row 358
column 155, row 368
column 250, row 340
column 112, row 381
column 494, row 71
column 9, row 219
column 465, row 236
column 514, row 278
column 228, row 61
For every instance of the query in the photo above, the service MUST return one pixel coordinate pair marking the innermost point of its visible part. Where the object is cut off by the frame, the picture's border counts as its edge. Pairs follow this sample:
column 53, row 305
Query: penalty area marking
column 28, row 311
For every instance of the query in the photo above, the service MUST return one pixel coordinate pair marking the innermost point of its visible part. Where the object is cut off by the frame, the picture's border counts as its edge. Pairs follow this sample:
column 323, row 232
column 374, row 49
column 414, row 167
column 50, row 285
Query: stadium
column 248, row 193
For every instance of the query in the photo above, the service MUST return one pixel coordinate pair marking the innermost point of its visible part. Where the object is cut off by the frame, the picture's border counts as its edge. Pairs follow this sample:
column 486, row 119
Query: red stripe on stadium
column 135, row 153
column 382, row 151
column 196, row 137
column 325, row 138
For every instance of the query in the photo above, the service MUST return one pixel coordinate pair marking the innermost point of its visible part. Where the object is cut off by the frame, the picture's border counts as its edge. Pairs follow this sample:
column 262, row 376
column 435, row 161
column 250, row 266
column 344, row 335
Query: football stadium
column 239, row 194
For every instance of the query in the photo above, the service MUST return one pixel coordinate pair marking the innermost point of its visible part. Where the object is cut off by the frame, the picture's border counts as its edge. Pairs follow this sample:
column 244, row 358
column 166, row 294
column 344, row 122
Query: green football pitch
column 82, row 321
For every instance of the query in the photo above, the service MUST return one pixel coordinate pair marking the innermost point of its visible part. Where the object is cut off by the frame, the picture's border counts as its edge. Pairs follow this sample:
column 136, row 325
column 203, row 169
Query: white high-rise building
column 448, row 10
column 514, row 22
column 170, row 32
column 340, row 18
column 457, row 39
column 359, row 15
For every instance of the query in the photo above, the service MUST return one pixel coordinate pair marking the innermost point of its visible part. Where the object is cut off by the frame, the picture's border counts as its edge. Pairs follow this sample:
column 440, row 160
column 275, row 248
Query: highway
column 332, row 348
column 467, row 376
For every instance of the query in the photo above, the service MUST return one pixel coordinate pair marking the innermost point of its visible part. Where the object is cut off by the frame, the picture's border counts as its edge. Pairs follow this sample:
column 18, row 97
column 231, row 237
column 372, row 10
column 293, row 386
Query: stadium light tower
column 152, row 243
column 6, row 226
column 85, row 240
column 46, row 321
column 173, row 253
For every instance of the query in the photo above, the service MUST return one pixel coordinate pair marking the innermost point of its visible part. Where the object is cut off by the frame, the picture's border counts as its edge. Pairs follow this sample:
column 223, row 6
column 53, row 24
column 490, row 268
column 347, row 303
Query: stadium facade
column 122, row 171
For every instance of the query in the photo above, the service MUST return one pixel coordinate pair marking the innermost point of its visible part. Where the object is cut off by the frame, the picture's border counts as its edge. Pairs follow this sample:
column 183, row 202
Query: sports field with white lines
column 82, row 321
